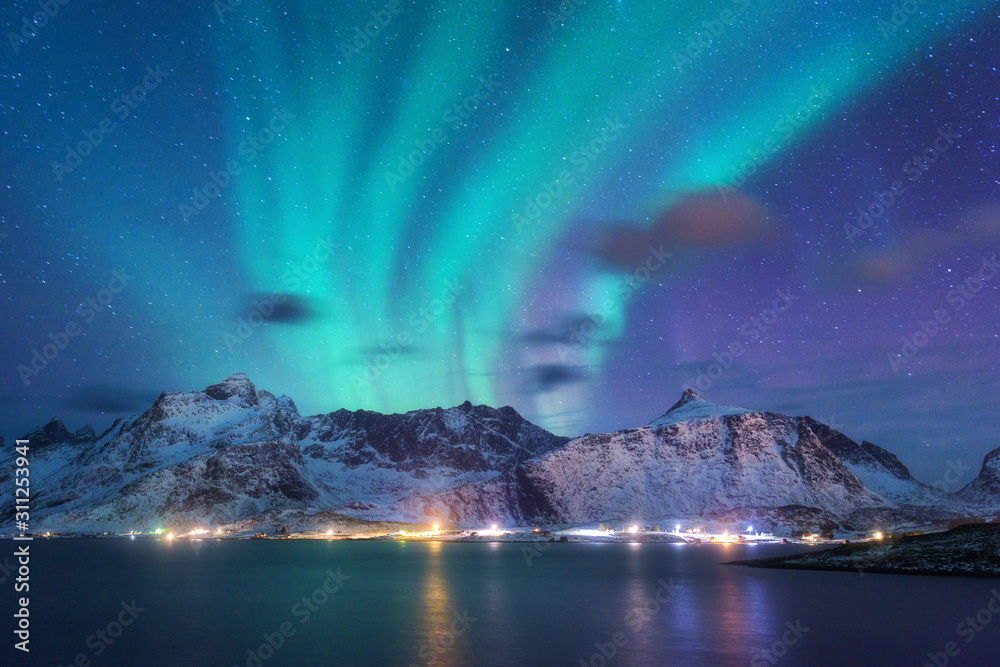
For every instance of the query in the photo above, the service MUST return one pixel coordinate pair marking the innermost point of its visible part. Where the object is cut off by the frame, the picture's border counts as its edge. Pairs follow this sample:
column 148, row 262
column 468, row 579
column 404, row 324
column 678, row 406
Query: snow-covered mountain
column 699, row 458
column 984, row 491
column 878, row 469
column 233, row 452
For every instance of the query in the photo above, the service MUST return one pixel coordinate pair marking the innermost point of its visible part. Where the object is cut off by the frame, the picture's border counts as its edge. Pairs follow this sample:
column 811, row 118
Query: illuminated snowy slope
column 232, row 452
column 698, row 458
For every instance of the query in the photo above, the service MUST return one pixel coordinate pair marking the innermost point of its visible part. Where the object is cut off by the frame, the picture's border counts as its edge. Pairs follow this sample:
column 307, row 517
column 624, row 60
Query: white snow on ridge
column 693, row 407
column 233, row 451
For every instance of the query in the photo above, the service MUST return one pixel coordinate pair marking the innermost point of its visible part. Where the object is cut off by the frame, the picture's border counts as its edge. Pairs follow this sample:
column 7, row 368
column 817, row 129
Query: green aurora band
column 403, row 244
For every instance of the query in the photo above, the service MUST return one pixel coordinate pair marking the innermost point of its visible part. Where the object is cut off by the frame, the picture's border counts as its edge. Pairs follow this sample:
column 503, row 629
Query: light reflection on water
column 438, row 642
column 208, row 606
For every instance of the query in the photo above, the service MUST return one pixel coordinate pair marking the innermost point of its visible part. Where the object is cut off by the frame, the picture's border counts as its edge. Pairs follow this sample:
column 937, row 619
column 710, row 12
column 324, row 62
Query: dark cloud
column 706, row 219
column 392, row 349
column 713, row 220
column 279, row 308
column 110, row 398
column 544, row 337
column 974, row 235
column 547, row 377
column 577, row 330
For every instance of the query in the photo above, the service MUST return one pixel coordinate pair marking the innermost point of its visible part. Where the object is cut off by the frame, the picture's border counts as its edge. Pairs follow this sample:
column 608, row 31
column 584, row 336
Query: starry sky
column 575, row 209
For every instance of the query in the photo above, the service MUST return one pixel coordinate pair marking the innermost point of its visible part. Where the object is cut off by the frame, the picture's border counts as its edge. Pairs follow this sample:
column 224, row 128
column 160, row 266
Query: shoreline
column 971, row 550
column 515, row 538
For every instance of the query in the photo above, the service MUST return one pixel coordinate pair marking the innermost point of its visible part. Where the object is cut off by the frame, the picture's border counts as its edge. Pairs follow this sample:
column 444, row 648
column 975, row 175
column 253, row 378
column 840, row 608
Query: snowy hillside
column 233, row 452
column 692, row 407
column 696, row 467
column 984, row 491
column 700, row 459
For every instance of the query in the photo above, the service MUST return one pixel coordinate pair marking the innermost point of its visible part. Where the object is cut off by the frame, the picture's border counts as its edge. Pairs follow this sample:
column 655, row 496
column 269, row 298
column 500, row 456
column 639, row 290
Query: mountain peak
column 991, row 461
column 237, row 384
column 56, row 423
column 689, row 396
column 54, row 429
column 692, row 406
column 55, row 432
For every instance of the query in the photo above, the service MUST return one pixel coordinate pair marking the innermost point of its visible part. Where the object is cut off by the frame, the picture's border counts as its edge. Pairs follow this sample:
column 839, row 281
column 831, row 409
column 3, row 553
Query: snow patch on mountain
column 692, row 407
column 698, row 466
column 984, row 490
column 233, row 452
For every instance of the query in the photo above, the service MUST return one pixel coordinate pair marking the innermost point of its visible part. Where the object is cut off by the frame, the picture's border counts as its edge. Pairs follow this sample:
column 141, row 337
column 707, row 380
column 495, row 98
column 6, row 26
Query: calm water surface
column 209, row 602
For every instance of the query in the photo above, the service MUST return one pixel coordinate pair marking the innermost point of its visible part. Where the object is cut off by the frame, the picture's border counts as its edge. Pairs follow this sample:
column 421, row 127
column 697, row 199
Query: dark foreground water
column 383, row 603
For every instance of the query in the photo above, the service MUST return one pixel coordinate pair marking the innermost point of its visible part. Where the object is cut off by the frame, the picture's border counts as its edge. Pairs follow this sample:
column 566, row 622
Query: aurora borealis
column 572, row 209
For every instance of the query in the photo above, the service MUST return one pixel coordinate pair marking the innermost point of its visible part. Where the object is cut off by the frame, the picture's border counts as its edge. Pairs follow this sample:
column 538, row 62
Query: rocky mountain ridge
column 233, row 452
